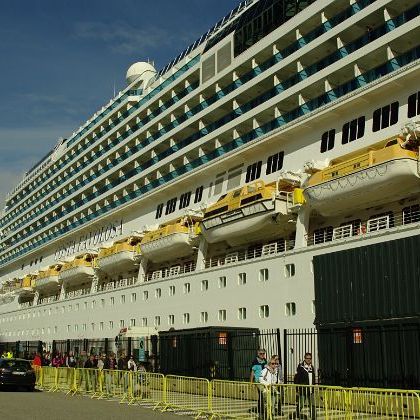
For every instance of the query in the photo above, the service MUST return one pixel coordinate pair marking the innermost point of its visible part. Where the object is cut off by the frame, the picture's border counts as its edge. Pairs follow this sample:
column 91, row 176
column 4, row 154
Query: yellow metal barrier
column 49, row 378
column 117, row 384
column 88, row 382
column 38, row 376
column 148, row 388
column 189, row 394
column 230, row 399
column 65, row 380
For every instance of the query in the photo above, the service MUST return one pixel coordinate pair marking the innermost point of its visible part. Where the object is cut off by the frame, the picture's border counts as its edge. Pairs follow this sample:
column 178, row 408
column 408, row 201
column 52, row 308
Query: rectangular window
column 253, row 171
column 103, row 303
column 274, row 163
column 159, row 210
column 353, row 130
column 198, row 194
column 263, row 274
column 170, row 206
column 385, row 117
column 222, row 282
column 112, row 301
column 132, row 322
column 133, row 297
column 413, row 105
column 222, row 315
column 186, row 318
column 157, row 321
column 290, row 308
column 145, row 295
column 242, row 313
column 184, row 200
column 204, row 317
column 111, row 325
column 242, row 279
column 264, row 311
column 187, row 288
column 123, row 299
column 171, row 319
column 171, row 290
column 101, row 326
column 144, row 322
column 204, row 285
column 289, row 270
column 327, row 140
column 121, row 323
column 158, row 293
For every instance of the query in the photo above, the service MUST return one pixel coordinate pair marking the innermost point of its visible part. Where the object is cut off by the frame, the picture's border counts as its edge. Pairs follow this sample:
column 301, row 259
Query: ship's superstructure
column 201, row 193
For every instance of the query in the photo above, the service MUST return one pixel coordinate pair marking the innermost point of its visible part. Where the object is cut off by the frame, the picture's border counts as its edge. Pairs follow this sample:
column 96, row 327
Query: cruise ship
column 205, row 192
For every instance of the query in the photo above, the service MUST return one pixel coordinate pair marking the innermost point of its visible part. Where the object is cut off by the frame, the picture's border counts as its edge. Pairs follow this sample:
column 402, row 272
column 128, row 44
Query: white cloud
column 123, row 38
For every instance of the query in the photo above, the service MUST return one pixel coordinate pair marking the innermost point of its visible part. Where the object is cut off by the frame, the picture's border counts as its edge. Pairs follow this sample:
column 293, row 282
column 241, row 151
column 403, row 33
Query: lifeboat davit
column 25, row 285
column 387, row 171
column 48, row 277
column 120, row 255
column 174, row 239
column 79, row 269
column 254, row 209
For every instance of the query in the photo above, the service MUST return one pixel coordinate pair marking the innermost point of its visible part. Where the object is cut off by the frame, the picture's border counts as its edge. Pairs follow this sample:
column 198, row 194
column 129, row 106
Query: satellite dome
column 141, row 70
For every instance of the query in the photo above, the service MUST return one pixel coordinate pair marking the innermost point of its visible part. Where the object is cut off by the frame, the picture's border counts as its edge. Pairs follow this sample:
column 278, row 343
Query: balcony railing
column 77, row 293
column 48, row 299
column 261, row 250
column 118, row 284
column 363, row 228
column 175, row 270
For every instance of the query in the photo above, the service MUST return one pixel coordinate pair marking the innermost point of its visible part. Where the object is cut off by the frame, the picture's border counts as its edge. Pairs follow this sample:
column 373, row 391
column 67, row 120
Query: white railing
column 362, row 228
column 166, row 272
column 77, row 293
column 49, row 299
column 250, row 253
column 117, row 284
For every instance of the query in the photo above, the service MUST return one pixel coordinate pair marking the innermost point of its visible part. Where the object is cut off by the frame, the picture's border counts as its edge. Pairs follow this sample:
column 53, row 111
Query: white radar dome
column 141, row 70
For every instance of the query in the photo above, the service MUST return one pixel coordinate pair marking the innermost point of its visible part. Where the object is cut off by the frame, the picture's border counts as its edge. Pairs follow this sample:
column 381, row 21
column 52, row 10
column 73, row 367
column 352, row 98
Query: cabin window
column 413, row 105
column 159, row 210
column 290, row 308
column 145, row 295
column 186, row 318
column 353, row 130
column 253, row 171
column 171, row 290
column 263, row 274
column 132, row 322
column 187, row 288
column 198, row 194
column 411, row 214
column 327, row 140
column 289, row 270
column 184, row 200
column 242, row 279
column 158, row 293
column 385, row 117
column 222, row 315
column 322, row 235
column 204, row 317
column 222, row 282
column 242, row 313
column 170, row 206
column 171, row 319
column 264, row 311
column 274, row 163
column 204, row 285
column 216, row 211
column 157, row 321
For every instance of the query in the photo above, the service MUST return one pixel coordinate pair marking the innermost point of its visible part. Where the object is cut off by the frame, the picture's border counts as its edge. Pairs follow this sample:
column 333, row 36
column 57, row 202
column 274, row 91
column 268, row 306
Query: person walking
column 271, row 377
column 258, row 364
column 305, row 375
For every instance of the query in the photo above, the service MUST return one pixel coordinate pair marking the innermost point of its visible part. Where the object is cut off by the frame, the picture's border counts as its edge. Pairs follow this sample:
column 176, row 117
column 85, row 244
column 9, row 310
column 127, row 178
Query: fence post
column 285, row 351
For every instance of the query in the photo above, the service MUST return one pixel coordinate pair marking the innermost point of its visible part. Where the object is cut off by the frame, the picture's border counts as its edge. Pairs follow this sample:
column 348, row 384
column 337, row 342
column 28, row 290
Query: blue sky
column 60, row 60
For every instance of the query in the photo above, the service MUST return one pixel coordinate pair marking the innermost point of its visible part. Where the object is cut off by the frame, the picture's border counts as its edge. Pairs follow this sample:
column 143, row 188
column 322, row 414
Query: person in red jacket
column 37, row 361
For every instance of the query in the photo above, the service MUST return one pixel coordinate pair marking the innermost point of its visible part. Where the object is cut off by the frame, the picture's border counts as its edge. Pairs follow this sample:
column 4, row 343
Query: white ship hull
column 373, row 186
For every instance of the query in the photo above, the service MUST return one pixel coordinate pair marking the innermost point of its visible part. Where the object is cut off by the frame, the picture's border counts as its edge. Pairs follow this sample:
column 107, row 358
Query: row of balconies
column 301, row 42
column 328, row 97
